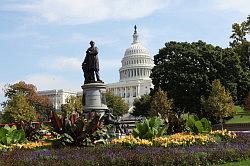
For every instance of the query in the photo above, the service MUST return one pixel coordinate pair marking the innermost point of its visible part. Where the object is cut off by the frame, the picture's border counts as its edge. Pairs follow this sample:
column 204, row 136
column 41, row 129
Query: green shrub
column 10, row 135
column 149, row 129
column 197, row 126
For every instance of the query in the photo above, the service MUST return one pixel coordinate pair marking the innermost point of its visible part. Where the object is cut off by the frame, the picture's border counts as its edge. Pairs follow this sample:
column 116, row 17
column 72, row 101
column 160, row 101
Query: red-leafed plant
column 76, row 130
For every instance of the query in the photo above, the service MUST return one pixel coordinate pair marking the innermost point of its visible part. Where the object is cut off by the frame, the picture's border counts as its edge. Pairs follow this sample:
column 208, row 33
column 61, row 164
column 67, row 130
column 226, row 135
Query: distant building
column 134, row 73
column 57, row 97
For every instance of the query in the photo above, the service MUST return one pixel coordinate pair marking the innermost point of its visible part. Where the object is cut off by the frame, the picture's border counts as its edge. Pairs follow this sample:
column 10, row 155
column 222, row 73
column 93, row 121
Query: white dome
column 136, row 48
column 136, row 63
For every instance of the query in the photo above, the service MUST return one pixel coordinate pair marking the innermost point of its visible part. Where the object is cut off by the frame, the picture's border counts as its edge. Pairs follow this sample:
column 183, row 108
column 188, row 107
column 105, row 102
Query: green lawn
column 240, row 117
column 239, row 163
column 239, row 110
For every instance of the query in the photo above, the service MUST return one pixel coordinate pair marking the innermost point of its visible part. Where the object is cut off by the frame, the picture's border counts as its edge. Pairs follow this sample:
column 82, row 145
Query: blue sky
column 43, row 41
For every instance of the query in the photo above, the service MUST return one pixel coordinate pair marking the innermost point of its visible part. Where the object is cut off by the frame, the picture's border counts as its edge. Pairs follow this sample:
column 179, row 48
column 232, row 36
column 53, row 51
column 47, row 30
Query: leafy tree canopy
column 42, row 104
column 247, row 102
column 161, row 105
column 219, row 104
column 116, row 104
column 73, row 104
column 186, row 71
column 239, row 32
column 142, row 106
column 18, row 109
column 241, row 47
column 19, row 88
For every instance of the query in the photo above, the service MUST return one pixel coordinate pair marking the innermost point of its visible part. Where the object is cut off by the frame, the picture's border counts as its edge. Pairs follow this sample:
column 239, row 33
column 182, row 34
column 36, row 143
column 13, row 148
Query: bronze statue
column 90, row 65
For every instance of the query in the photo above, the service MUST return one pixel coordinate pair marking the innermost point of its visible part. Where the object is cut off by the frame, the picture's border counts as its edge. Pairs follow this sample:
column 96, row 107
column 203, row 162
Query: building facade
column 134, row 73
column 57, row 97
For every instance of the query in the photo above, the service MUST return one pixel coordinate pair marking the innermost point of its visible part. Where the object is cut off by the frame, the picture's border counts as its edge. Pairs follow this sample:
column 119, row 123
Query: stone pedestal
column 94, row 98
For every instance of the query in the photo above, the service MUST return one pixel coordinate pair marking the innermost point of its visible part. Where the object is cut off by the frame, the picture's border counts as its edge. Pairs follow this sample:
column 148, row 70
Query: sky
column 43, row 42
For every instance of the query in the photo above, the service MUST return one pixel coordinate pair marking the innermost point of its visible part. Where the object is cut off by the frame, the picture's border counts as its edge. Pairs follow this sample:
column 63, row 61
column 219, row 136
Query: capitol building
column 134, row 77
column 134, row 73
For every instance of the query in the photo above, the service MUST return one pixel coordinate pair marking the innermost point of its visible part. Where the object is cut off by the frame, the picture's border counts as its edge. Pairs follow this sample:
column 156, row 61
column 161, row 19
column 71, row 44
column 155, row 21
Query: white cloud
column 48, row 81
column 242, row 6
column 63, row 63
column 83, row 11
column 110, row 63
column 22, row 34
column 60, row 63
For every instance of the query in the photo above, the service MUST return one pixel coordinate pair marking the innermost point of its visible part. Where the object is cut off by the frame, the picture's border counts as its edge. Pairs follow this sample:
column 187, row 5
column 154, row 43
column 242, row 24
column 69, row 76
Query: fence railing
column 233, row 127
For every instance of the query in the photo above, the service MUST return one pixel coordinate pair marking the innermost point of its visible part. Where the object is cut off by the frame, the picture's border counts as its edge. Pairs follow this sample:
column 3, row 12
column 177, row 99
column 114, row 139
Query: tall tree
column 186, row 71
column 73, row 104
column 239, row 32
column 219, row 104
column 161, row 105
column 19, row 88
column 42, row 104
column 116, row 104
column 18, row 109
column 241, row 46
column 142, row 106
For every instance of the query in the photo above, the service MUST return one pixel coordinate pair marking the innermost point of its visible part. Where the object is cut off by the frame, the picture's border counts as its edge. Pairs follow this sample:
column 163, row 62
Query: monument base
column 94, row 99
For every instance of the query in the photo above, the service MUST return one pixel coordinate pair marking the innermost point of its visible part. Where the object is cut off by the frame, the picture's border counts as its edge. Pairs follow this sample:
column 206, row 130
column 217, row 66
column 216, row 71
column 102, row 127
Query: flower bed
column 28, row 145
column 179, row 139
column 214, row 153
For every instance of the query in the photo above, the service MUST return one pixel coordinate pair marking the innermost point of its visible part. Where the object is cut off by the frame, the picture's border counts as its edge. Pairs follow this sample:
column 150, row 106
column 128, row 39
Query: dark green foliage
column 149, row 129
column 239, row 32
column 243, row 52
column 142, row 106
column 10, row 135
column 241, row 47
column 206, row 125
column 118, row 106
column 159, row 105
column 247, row 102
column 186, row 71
column 194, row 125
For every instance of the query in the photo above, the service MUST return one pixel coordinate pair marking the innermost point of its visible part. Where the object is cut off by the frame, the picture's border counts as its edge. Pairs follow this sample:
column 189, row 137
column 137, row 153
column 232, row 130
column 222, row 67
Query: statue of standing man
column 90, row 65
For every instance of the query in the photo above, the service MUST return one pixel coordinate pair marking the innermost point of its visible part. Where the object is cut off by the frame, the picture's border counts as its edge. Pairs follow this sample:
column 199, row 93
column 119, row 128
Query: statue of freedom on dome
column 90, row 65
